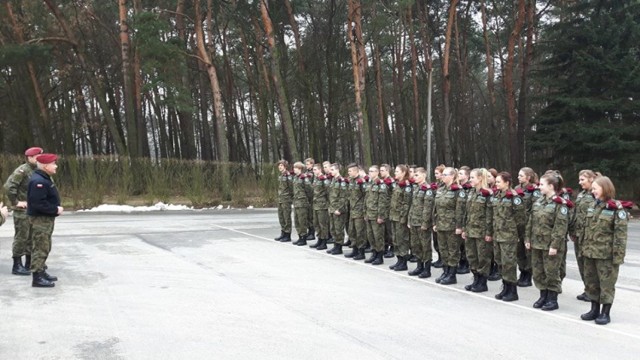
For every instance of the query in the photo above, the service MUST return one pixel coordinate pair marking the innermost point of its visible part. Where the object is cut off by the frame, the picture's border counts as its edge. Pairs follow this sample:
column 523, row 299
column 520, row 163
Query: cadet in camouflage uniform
column 16, row 189
column 376, row 213
column 385, row 175
column 309, row 162
column 419, row 226
column 463, row 180
column 603, row 248
column 338, row 208
column 448, row 217
column 437, row 174
column 320, row 206
column 285, row 200
column 398, row 213
column 300, row 203
column 529, row 192
column 584, row 201
column 43, row 205
column 508, row 218
column 477, row 230
column 357, row 228
column 545, row 236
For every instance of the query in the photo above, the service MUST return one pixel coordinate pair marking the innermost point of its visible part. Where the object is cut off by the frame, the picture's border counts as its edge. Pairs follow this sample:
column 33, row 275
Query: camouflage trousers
column 546, row 270
column 376, row 233
column 284, row 216
column 479, row 253
column 506, row 252
column 22, row 238
column 524, row 256
column 600, row 277
column 388, row 233
column 449, row 244
column 41, row 230
column 357, row 233
column 321, row 223
column 301, row 218
column 311, row 219
column 577, row 247
column 338, row 223
column 400, row 238
column 421, row 243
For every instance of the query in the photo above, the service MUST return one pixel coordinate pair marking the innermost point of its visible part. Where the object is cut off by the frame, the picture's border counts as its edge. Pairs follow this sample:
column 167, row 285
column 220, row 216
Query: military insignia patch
column 517, row 201
column 327, row 182
column 407, row 189
column 536, row 193
column 462, row 194
column 564, row 210
column 622, row 215
column 429, row 192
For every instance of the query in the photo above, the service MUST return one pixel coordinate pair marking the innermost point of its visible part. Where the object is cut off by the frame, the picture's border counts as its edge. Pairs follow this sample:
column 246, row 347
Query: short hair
column 465, row 168
column 298, row 165
column 386, row 166
column 352, row 165
column 318, row 166
column 528, row 172
column 283, row 162
column 413, row 166
column 452, row 170
column 309, row 160
column 326, row 163
column 374, row 167
column 608, row 190
column 506, row 177
column 336, row 165
column 421, row 170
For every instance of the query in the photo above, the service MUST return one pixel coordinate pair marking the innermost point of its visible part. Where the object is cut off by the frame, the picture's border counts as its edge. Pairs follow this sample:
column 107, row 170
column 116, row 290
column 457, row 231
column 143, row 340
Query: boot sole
column 21, row 273
column 43, row 286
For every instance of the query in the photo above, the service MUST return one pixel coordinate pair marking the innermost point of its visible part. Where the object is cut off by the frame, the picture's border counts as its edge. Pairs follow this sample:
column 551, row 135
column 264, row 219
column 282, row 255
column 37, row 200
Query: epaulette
column 619, row 205
column 322, row 177
column 329, row 176
column 559, row 200
column 454, row 187
column 378, row 181
column 344, row 180
column 425, row 187
column 531, row 188
column 486, row 192
column 388, row 180
column 366, row 178
column 302, row 176
column 494, row 189
column 434, row 186
column 404, row 183
column 360, row 181
column 520, row 192
column 412, row 181
column 568, row 191
column 466, row 186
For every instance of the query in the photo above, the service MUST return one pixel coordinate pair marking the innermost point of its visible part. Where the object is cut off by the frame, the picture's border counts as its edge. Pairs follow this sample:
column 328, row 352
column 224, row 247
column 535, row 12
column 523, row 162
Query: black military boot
column 279, row 237
column 17, row 268
column 337, row 249
column 418, row 270
column 360, row 255
column 48, row 276
column 368, row 249
column 438, row 264
column 40, row 281
column 481, row 286
column 604, row 318
column 311, row 233
column 286, row 237
column 354, row 252
column 593, row 313
column 512, row 292
column 445, row 271
column 331, row 240
column 525, row 278
column 542, row 299
column 463, row 266
column 402, row 265
column 389, row 253
column 426, row 272
column 348, row 243
column 302, row 240
column 413, row 259
column 316, row 244
column 552, row 301
column 476, row 278
column 495, row 275
column 322, row 244
column 583, row 297
column 451, row 276
column 392, row 267
column 379, row 260
column 374, row 255
column 502, row 293
column 27, row 262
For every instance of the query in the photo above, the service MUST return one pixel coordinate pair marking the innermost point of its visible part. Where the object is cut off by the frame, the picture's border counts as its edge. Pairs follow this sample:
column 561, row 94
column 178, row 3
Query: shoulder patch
column 39, row 186
column 429, row 192
column 564, row 210
column 408, row 189
column 536, row 193
column 517, row 201
column 462, row 194
column 622, row 215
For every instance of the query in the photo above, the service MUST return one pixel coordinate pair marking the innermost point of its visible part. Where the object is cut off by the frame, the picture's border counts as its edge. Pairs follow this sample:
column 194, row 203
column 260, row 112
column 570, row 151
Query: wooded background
column 548, row 84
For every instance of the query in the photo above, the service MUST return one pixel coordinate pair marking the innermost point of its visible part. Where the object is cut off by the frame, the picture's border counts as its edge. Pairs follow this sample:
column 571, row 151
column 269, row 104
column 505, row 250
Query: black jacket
column 42, row 195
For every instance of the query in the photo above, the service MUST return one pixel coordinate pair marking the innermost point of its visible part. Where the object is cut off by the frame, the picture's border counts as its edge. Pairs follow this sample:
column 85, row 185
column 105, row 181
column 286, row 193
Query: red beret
column 46, row 158
column 32, row 151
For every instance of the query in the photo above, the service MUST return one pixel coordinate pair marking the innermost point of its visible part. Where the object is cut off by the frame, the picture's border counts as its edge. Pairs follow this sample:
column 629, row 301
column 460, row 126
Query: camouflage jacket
column 285, row 188
column 529, row 194
column 548, row 224
column 377, row 200
column 584, row 201
column 356, row 197
column 429, row 205
column 449, row 208
column 508, row 216
column 17, row 184
column 320, row 193
column 309, row 185
column 300, row 191
column 478, row 219
column 338, row 199
column 606, row 231
column 400, row 201
column 416, row 210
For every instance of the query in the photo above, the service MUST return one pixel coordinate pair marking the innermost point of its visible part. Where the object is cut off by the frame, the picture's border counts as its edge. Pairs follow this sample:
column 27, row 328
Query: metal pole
column 429, row 169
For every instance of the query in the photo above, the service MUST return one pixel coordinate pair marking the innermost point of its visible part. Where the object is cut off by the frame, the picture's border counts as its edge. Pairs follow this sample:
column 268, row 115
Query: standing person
column 604, row 248
column 43, row 206
column 300, row 203
column 463, row 180
column 420, row 247
column 398, row 213
column 528, row 189
column 320, row 206
column 494, row 273
column 584, row 201
column 376, row 213
column 357, row 227
column 388, row 180
column 437, row 174
column 448, row 216
column 565, row 193
column 508, row 219
column 477, row 230
column 309, row 162
column 338, row 207
column 545, row 236
column 285, row 200
column 326, row 167
column 16, row 187
column 427, row 226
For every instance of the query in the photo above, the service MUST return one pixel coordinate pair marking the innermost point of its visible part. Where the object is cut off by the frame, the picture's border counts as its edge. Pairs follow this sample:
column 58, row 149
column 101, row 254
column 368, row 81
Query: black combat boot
column 402, row 265
column 413, row 259
column 348, row 243
column 495, row 275
column 583, row 297
column 368, row 249
column 316, row 244
column 396, row 264
column 593, row 313
column 418, row 270
column 426, row 272
column 354, row 252
column 302, row 240
column 451, row 276
column 379, row 260
column 48, row 276
column 542, row 299
column 502, row 293
column 374, row 255
column 27, row 262
column 330, row 240
column 337, row 249
column 279, row 237
column 360, row 255
column 463, row 265
column 286, row 237
column 476, row 277
column 604, row 318
column 389, row 253
column 17, row 268
column 512, row 292
column 322, row 244
column 438, row 264
column 40, row 281
column 445, row 271
column 552, row 301
column 311, row 233
column 525, row 278
column 481, row 286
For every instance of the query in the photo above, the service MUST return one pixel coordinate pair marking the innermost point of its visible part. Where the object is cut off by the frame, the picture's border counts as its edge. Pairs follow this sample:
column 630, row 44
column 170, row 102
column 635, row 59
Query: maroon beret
column 32, row 151
column 46, row 158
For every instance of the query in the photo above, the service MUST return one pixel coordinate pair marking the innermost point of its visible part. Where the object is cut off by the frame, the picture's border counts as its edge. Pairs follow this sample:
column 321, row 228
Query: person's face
column 546, row 188
column 438, row 175
column 463, row 177
column 50, row 168
column 334, row 171
column 309, row 165
column 501, row 184
column 585, row 182
column 447, row 177
column 597, row 192
column 474, row 180
column 522, row 178
column 384, row 172
column 281, row 167
column 373, row 173
column 353, row 172
column 398, row 174
column 490, row 179
column 317, row 171
column 419, row 177
column 412, row 173
column 297, row 171
column 327, row 168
